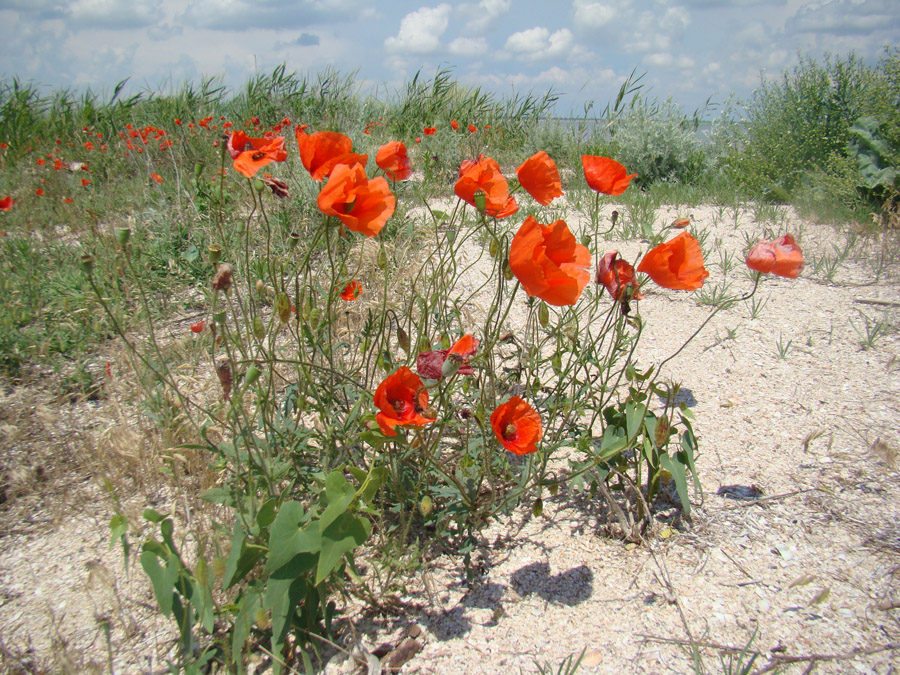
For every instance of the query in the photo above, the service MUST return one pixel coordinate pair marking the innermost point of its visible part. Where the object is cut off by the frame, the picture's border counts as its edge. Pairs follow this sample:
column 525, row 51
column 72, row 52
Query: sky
column 691, row 50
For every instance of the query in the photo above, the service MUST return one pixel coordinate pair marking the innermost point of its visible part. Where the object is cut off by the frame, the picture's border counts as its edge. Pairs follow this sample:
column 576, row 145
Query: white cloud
column 420, row 31
column 484, row 14
column 844, row 17
column 667, row 60
column 469, row 47
column 593, row 15
column 539, row 43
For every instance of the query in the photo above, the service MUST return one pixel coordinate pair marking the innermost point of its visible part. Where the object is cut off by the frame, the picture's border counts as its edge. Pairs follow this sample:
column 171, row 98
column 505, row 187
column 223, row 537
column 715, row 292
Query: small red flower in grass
column 39, row 192
column 616, row 275
column 472, row 128
column 484, row 175
column 517, row 426
column 393, row 160
column 676, row 264
column 454, row 125
column 540, row 178
column 352, row 291
column 362, row 204
column 156, row 177
column 6, row 203
column 549, row 263
column 605, row 175
column 252, row 154
column 780, row 256
column 85, row 182
column 431, row 364
column 198, row 327
column 429, row 131
column 402, row 400
column 418, row 139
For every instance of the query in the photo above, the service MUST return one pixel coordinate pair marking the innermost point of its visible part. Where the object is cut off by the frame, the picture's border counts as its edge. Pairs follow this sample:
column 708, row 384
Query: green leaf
column 634, row 417
column 118, row 527
column 162, row 580
column 201, row 597
column 241, row 559
column 191, row 254
column 287, row 538
column 217, row 496
column 338, row 494
column 342, row 536
column 614, row 441
column 267, row 513
column 243, row 622
column 152, row 515
column 284, row 590
column 377, row 477
column 676, row 468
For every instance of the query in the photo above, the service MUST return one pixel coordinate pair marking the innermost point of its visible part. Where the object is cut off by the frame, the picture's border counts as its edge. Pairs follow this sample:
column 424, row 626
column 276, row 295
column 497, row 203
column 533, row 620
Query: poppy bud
column 259, row 330
column 425, row 506
column 403, row 339
column 507, row 271
column 495, row 248
column 480, row 199
column 260, row 286
column 198, row 170
column 445, row 341
column 252, row 375
column 218, row 566
column 314, row 317
column 283, row 307
column 662, row 432
column 615, row 217
column 586, row 240
column 537, row 509
column 543, row 315
column 87, row 263
column 258, row 185
column 215, row 253
column 123, row 234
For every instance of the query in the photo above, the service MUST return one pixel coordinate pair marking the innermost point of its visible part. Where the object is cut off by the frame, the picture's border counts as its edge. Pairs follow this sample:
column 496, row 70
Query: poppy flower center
column 509, row 433
column 399, row 406
column 258, row 155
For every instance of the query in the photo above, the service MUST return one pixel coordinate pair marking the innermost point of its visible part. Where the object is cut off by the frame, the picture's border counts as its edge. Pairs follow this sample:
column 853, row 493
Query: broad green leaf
column 162, row 579
column 342, row 536
column 241, row 558
column 290, row 535
column 338, row 494
column 216, row 496
column 201, row 597
column 284, row 590
column 267, row 513
column 676, row 468
column 612, row 443
column 243, row 622
column 376, row 478
column 634, row 417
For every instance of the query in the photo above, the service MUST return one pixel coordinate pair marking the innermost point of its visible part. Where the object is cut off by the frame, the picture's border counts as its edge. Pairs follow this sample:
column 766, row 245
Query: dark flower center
column 509, row 433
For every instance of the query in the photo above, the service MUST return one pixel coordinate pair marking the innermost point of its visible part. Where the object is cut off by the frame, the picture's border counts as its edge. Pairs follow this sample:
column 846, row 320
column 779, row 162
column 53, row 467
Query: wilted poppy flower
column 322, row 151
column 393, row 160
column 222, row 279
column 279, row 187
column 484, row 176
column 616, row 275
column 352, row 291
column 402, row 399
column 517, row 426
column 363, row 205
column 255, row 153
column 198, row 327
column 432, row 364
column 429, row 131
column 676, row 264
column 156, row 177
column 6, row 203
column 540, row 177
column 605, row 175
column 548, row 262
column 780, row 256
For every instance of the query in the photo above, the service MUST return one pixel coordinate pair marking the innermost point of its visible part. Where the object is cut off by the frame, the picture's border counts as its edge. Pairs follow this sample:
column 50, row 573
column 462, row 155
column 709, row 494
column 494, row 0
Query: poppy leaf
column 340, row 537
column 679, row 475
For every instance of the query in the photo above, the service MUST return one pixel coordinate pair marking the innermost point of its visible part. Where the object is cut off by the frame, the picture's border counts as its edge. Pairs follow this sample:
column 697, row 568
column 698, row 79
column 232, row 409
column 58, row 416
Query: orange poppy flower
column 616, row 275
column 363, row 205
column 484, row 176
column 517, row 426
column 605, row 175
column 322, row 151
column 432, row 364
column 429, row 131
column 676, row 264
column 472, row 128
column 454, row 125
column 780, row 256
column 252, row 154
column 402, row 399
column 540, row 178
column 156, row 177
column 198, row 327
column 549, row 263
column 352, row 291
column 393, row 160
column 6, row 203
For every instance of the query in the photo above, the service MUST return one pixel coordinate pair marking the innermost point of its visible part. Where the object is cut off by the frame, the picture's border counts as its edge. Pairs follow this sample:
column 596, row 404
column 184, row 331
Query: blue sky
column 583, row 49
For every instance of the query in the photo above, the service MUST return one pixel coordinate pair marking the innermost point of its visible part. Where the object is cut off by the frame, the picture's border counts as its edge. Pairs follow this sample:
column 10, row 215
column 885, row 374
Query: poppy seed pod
column 252, row 375
column 215, row 253
column 87, row 263
column 123, row 234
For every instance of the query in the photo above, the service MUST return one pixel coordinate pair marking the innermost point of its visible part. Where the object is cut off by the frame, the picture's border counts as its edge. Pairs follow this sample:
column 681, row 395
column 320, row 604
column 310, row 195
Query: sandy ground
column 807, row 572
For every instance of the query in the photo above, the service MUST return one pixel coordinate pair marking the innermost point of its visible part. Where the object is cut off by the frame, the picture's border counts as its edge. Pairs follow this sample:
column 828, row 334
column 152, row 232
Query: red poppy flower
column 6, row 203
column 617, row 275
column 39, row 192
column 322, row 151
column 549, row 263
column 540, row 178
column 454, row 125
column 418, row 140
column 178, row 122
column 352, row 291
column 393, row 160
column 431, row 364
column 198, row 327
column 605, row 175
column 68, row 200
column 484, row 176
column 780, row 256
column 517, row 426
column 402, row 399
column 676, row 264
column 85, row 182
column 363, row 205
column 429, row 131
column 472, row 128
column 156, row 177
column 252, row 154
